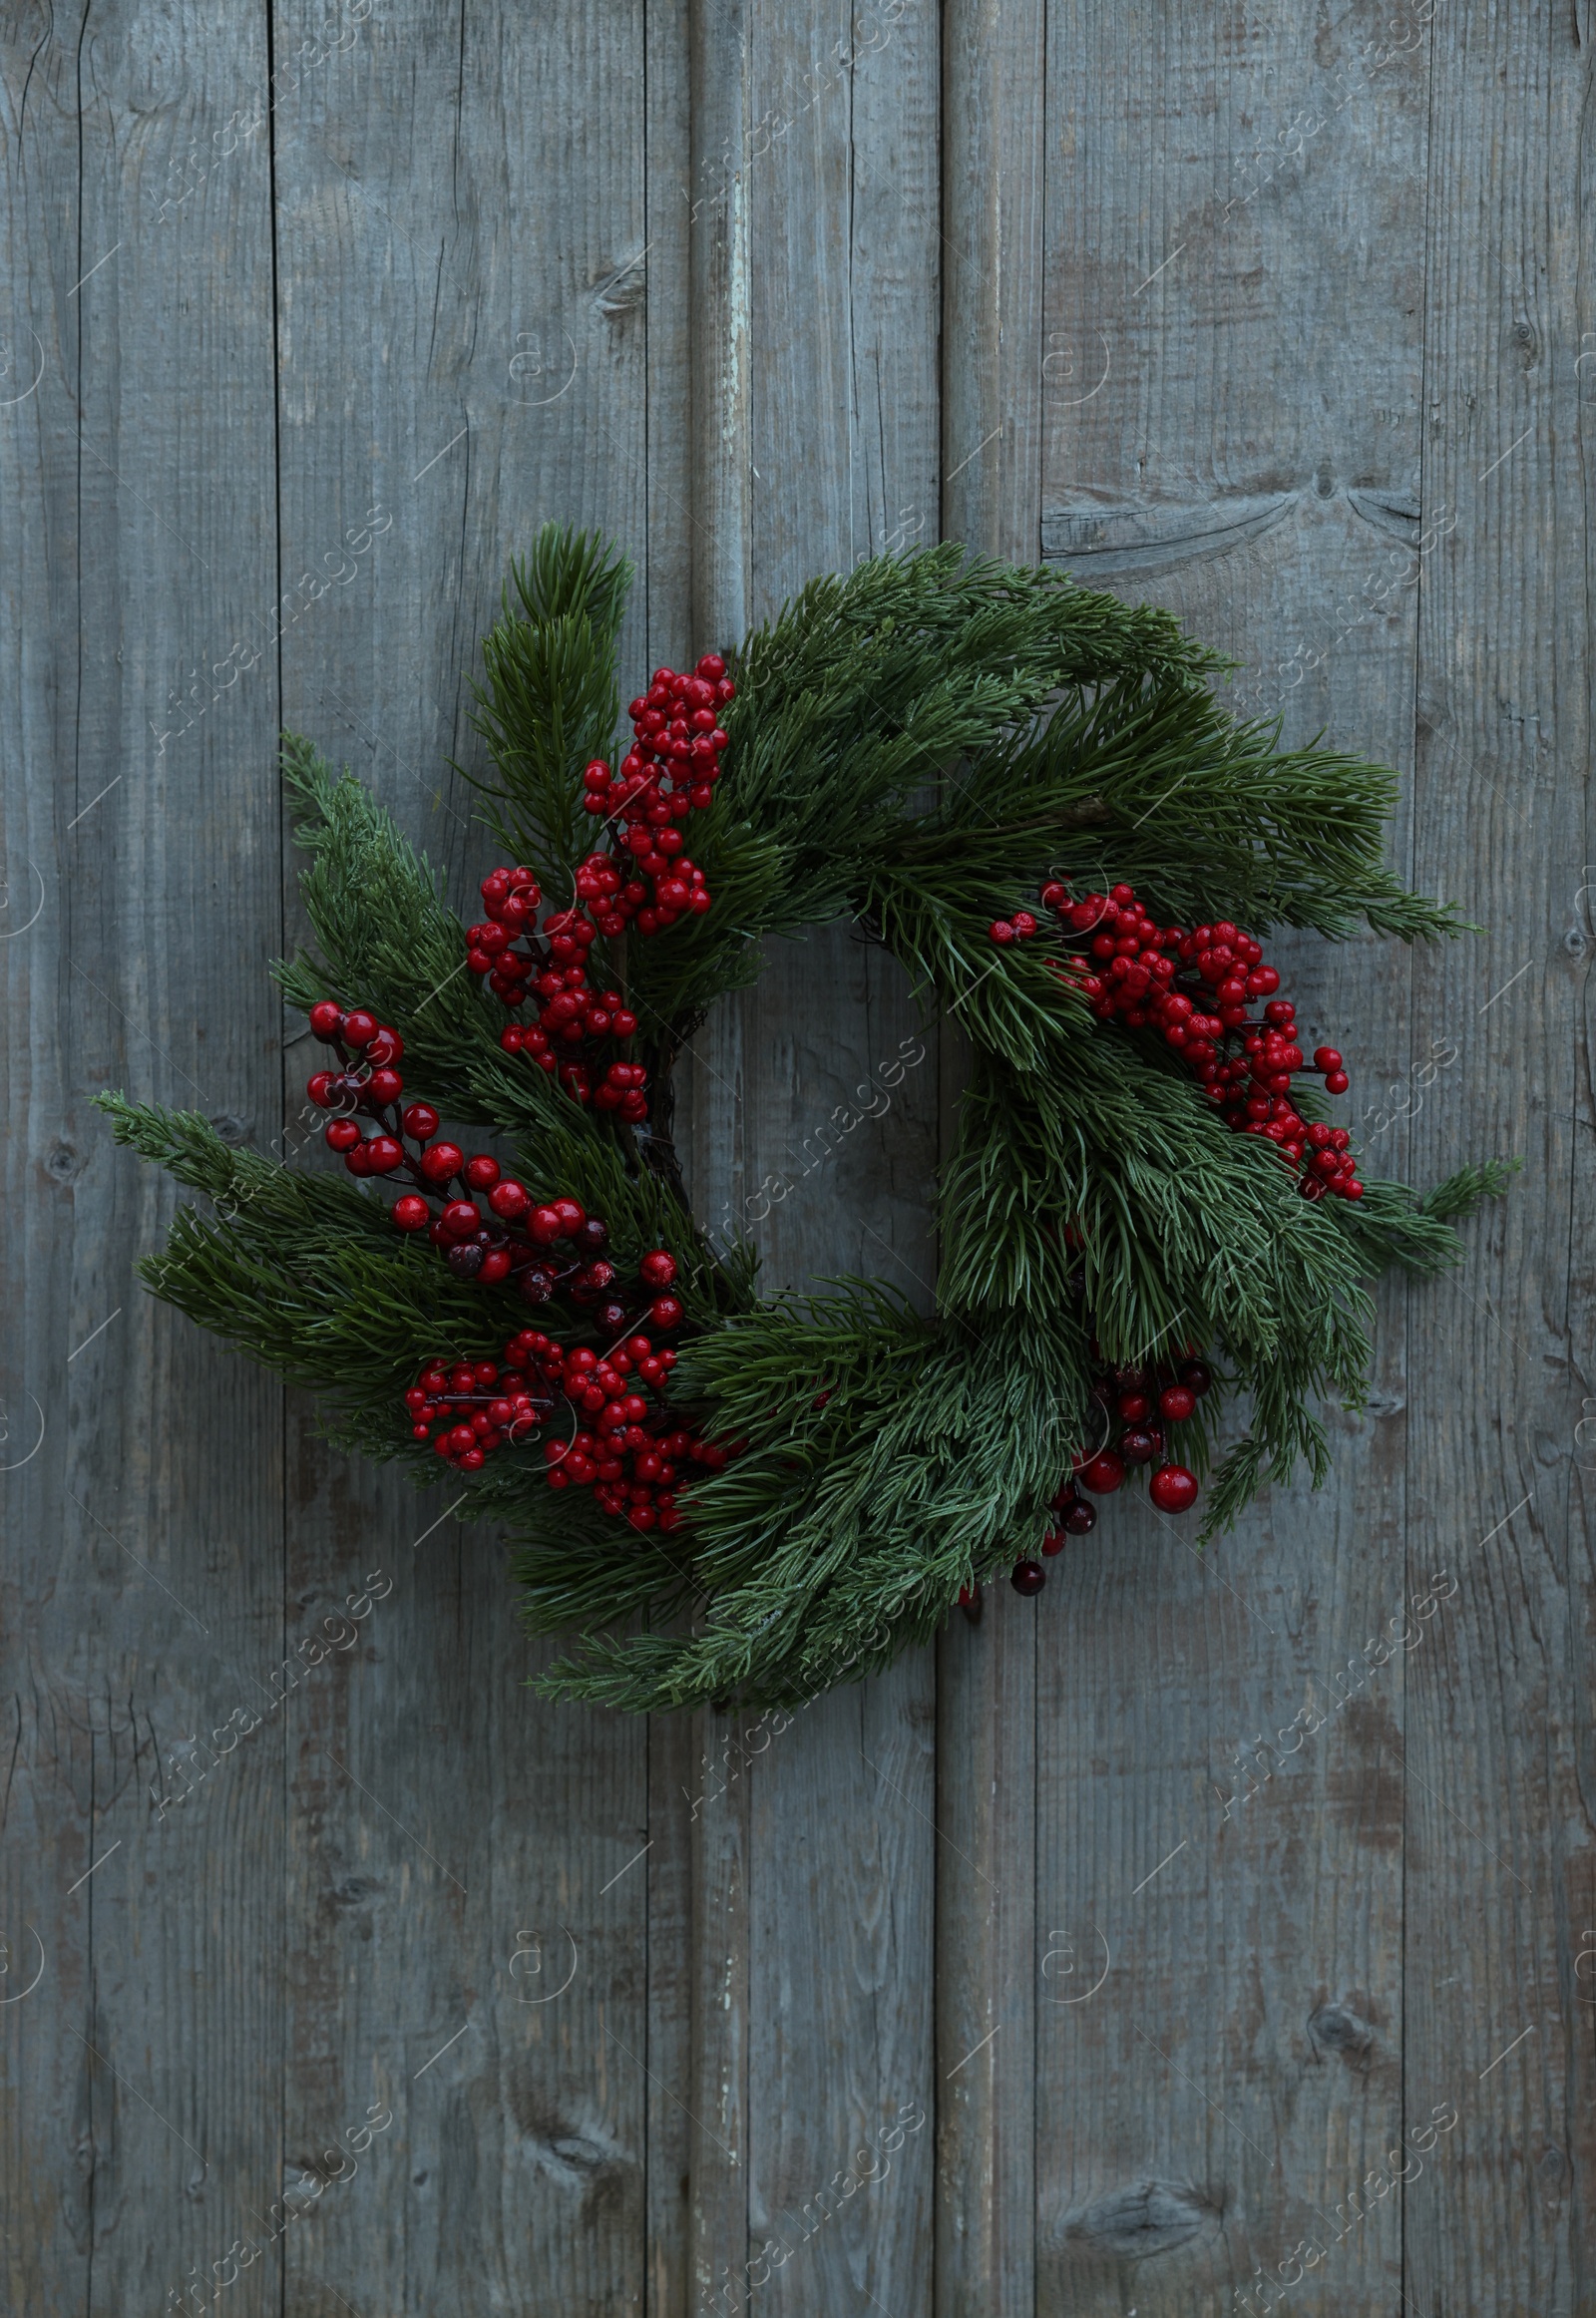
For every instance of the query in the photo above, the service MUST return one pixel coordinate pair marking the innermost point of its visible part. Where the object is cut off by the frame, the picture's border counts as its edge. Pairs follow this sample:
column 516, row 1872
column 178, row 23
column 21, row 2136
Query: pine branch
column 549, row 702
column 1391, row 1224
column 306, row 1275
column 1205, row 817
column 932, row 1451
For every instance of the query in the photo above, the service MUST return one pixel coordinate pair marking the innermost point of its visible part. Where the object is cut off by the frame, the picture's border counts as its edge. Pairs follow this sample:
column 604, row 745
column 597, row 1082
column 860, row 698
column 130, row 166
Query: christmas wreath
column 1029, row 795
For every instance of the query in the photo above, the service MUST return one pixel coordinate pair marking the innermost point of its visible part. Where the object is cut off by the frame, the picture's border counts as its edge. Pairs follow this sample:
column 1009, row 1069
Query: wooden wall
column 1276, row 317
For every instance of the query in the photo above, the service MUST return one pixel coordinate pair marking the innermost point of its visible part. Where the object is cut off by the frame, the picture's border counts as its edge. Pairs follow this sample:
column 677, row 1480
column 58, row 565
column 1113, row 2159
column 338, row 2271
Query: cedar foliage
column 914, row 746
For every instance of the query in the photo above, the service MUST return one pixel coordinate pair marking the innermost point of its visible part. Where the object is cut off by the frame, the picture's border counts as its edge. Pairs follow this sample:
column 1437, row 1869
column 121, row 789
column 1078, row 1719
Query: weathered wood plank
column 1502, row 1867
column 146, row 1526
column 995, row 95
column 845, row 433
column 720, row 497
column 674, row 533
column 48, row 1825
column 1232, row 389
column 817, row 412
column 464, row 334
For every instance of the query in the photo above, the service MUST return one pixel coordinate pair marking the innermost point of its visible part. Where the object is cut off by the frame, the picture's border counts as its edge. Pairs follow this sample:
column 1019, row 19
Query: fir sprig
column 550, row 701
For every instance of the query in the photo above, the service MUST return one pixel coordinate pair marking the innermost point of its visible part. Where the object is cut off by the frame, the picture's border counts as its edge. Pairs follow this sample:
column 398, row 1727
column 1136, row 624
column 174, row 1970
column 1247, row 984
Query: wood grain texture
column 995, row 119
column 720, row 487
column 1233, row 387
column 1498, row 1809
column 311, row 316
column 816, row 1930
column 146, row 1550
column 470, row 1881
column 675, row 537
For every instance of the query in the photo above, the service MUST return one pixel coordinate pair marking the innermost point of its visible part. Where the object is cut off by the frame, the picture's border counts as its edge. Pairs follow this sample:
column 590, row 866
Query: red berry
column 326, row 1021
column 411, row 1214
column 383, row 1154
column 359, row 1029
column 1002, row 933
column 571, row 1216
column 482, row 1172
column 1027, row 1576
column 1177, row 1403
column 1173, row 1489
column 1325, row 1059
column 383, row 1087
column 545, row 1227
column 342, row 1135
column 1337, row 1082
column 1054, row 1541
column 666, row 1311
column 1196, row 1379
column 1137, row 1446
column 509, row 1200
column 658, row 1268
column 1102, row 1473
column 420, row 1122
column 442, row 1162
column 1081, row 1517
column 460, row 1217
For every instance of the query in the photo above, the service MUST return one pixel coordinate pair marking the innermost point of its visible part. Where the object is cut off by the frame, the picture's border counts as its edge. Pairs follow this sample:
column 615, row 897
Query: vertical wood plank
column 146, row 1521
column 48, row 1823
column 463, row 315
column 994, row 113
column 994, row 91
column 717, row 204
column 719, row 214
column 845, row 449
column 1500, row 1742
column 813, row 1870
column 677, row 533
column 1232, row 389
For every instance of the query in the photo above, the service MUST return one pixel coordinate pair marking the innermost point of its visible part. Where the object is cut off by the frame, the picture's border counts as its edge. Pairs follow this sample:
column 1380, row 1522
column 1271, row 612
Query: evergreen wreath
column 726, row 1497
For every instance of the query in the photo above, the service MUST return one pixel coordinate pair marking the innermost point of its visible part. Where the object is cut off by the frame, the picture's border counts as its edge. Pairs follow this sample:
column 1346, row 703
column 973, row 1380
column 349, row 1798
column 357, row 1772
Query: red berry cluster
column 631, row 1458
column 669, row 771
column 647, row 880
column 1197, row 990
column 1136, row 1402
column 632, row 1469
column 476, row 1406
column 514, row 1240
column 551, row 966
column 365, row 1080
